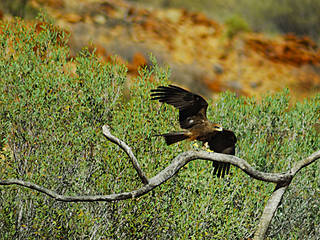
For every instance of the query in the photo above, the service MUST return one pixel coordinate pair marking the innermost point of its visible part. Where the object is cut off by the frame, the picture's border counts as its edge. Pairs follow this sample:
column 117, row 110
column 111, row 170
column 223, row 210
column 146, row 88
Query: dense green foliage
column 51, row 120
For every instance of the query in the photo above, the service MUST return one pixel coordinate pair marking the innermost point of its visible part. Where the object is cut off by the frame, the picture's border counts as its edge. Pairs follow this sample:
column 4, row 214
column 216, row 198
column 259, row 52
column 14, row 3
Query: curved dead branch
column 269, row 211
column 277, row 195
column 127, row 150
column 177, row 163
column 281, row 179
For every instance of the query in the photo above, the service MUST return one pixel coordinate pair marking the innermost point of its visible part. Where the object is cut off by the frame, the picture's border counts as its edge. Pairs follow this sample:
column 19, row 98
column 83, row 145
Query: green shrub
column 235, row 25
column 51, row 120
column 294, row 16
column 286, row 16
column 19, row 8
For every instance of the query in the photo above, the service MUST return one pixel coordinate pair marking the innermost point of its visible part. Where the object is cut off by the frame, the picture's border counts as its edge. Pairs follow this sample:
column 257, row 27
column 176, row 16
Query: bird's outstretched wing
column 222, row 142
column 192, row 107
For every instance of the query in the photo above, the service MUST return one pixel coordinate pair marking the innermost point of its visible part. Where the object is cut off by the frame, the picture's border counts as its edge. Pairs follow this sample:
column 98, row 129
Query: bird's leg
column 206, row 147
column 195, row 145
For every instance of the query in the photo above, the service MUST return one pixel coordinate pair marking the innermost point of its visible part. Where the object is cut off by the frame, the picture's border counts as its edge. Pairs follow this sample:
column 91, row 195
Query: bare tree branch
column 269, row 211
column 303, row 163
column 281, row 179
column 276, row 197
column 127, row 150
column 177, row 163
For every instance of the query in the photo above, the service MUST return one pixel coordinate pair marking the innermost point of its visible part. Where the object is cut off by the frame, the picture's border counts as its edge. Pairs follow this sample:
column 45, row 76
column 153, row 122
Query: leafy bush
column 51, row 118
column 235, row 25
column 287, row 16
column 20, row 8
column 300, row 17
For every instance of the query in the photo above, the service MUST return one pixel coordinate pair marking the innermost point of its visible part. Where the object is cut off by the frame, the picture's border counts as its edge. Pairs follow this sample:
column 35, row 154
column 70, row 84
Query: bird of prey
column 193, row 119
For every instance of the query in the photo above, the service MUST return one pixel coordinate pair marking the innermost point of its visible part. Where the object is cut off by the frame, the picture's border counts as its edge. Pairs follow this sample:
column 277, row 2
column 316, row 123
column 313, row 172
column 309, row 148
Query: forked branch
column 281, row 179
column 276, row 197
column 127, row 150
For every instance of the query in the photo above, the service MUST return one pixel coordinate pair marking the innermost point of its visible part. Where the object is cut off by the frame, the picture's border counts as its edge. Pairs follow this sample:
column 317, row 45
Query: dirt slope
column 202, row 56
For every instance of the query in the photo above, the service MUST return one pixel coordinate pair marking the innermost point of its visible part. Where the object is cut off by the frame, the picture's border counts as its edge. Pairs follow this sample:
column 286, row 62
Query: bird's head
column 217, row 127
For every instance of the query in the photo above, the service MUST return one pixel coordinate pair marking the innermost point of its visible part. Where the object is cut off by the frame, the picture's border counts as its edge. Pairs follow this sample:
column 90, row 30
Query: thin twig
column 303, row 163
column 127, row 150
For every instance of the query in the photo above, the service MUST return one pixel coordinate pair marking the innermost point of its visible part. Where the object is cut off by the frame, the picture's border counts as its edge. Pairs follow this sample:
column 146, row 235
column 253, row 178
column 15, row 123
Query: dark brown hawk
column 193, row 118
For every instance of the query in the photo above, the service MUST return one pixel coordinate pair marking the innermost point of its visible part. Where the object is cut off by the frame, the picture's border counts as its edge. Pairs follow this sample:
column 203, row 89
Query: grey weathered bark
column 276, row 197
column 269, row 211
column 281, row 179
column 127, row 150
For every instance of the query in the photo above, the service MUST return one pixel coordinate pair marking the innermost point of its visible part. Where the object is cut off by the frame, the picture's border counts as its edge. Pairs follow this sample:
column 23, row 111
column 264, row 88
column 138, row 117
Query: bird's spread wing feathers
column 222, row 142
column 192, row 107
column 192, row 116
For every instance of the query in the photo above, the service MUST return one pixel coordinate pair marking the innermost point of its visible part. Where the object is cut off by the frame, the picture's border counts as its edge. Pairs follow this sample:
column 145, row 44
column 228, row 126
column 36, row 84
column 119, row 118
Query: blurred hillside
column 207, row 55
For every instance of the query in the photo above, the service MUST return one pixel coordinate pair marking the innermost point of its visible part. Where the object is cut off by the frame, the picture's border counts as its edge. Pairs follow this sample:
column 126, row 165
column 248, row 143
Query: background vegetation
column 52, row 109
column 286, row 16
column 295, row 16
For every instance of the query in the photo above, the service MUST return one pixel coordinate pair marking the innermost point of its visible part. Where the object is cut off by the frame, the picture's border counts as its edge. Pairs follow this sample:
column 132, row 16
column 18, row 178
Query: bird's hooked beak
column 218, row 128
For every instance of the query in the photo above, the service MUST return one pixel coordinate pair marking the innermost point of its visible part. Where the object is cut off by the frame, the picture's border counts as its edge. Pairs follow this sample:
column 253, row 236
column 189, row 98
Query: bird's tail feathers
column 174, row 137
column 220, row 169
